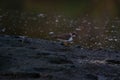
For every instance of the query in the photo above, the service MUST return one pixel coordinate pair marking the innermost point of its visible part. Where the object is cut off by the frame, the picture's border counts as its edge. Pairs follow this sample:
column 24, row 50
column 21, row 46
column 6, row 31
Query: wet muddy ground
column 23, row 58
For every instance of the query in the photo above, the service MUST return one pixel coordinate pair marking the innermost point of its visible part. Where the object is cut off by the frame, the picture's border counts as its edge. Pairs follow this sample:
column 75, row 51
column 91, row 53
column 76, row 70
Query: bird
column 66, row 39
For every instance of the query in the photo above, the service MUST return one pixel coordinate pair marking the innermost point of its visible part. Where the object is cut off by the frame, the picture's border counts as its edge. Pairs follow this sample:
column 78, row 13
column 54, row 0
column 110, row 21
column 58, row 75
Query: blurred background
column 97, row 22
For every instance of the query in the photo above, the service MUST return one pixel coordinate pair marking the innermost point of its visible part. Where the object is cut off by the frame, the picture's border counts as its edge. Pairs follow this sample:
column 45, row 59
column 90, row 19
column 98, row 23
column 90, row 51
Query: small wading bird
column 65, row 39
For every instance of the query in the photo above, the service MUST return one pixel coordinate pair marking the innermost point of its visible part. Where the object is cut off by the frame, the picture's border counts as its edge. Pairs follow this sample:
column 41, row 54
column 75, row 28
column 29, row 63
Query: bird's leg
column 66, row 44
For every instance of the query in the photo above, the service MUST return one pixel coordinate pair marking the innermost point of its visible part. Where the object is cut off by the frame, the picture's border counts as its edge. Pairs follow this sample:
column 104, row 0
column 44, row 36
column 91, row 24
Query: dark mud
column 23, row 58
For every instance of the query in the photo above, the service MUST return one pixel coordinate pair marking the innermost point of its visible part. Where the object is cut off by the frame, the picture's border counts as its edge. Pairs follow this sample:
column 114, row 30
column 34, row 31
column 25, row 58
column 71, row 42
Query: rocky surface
column 23, row 58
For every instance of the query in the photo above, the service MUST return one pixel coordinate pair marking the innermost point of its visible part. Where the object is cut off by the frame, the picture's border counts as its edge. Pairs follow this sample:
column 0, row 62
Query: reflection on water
column 91, row 34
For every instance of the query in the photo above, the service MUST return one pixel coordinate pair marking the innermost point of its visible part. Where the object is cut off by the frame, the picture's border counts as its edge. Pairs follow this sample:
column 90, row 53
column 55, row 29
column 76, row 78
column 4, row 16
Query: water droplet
column 41, row 15
column 113, row 26
column 77, row 29
column 110, row 39
column 99, row 43
column 50, row 33
column 96, row 27
column 115, row 40
column 84, row 21
column 56, row 20
column 89, row 23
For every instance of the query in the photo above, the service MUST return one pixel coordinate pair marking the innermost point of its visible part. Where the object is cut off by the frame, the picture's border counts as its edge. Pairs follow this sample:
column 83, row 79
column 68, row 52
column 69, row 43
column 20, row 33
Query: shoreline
column 24, row 58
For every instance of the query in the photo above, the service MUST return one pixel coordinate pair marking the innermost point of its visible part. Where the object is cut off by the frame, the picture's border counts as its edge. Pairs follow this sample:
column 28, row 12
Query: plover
column 65, row 39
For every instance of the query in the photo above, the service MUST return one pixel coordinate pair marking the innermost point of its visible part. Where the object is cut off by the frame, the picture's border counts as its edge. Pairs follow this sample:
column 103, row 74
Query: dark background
column 98, row 21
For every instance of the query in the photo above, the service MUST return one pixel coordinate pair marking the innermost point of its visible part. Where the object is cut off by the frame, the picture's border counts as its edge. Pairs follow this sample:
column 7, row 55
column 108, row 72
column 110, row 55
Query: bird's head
column 74, row 34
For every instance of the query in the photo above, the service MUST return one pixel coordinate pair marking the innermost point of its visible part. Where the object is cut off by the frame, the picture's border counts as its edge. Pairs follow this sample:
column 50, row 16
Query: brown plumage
column 66, row 38
column 62, row 36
